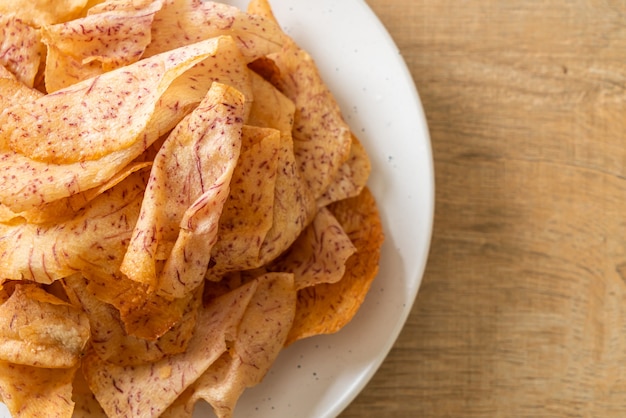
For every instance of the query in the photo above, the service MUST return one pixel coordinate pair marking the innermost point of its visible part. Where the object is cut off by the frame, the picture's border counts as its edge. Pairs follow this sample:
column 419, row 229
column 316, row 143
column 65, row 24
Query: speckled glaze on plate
column 320, row 376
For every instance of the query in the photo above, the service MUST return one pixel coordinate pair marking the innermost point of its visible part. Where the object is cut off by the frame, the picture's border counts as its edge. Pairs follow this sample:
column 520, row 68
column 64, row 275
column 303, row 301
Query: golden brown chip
column 144, row 314
column 89, row 46
column 196, row 164
column 319, row 254
column 103, row 6
column 148, row 389
column 181, row 22
column 293, row 206
column 248, row 212
column 90, row 154
column 94, row 241
column 64, row 209
column 260, row 337
column 351, row 177
column 39, row 329
column 85, row 403
column 326, row 308
column 322, row 139
column 34, row 392
column 261, row 8
column 21, row 50
column 14, row 91
column 109, row 338
column 54, row 128
column 43, row 12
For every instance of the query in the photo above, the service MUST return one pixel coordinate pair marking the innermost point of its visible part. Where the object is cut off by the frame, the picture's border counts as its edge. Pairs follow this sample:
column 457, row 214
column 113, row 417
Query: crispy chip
column 181, row 22
column 64, row 209
column 248, row 212
column 293, row 206
column 103, row 6
column 109, row 338
column 326, row 308
column 351, row 178
column 85, row 403
column 100, row 42
column 319, row 255
column 14, row 91
column 35, row 392
column 28, row 183
column 207, row 147
column 148, row 389
column 144, row 314
column 21, row 50
column 53, row 128
column 260, row 337
column 94, row 241
column 44, row 12
column 38, row 329
column 321, row 137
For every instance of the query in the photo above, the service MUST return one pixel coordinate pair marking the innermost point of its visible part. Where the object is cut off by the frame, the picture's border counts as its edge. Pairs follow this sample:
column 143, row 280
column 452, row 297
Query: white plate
column 320, row 376
column 361, row 64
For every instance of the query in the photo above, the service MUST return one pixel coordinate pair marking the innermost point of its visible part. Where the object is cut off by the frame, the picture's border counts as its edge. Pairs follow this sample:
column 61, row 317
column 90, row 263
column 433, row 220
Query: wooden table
column 522, row 311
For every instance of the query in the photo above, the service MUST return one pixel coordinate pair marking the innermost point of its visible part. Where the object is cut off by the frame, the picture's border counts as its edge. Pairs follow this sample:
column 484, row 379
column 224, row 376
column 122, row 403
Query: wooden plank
column 523, row 308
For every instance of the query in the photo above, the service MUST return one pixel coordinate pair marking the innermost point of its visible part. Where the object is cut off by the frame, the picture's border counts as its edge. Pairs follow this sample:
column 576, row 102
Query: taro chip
column 248, row 212
column 260, row 337
column 14, row 91
column 64, row 209
column 293, row 206
column 4, row 73
column 111, row 342
column 148, row 389
column 36, row 392
column 103, row 6
column 21, row 50
column 73, row 158
column 319, row 255
column 326, row 308
column 196, row 163
column 94, row 241
column 89, row 46
column 54, row 128
column 144, row 314
column 322, row 139
column 39, row 329
column 44, row 12
column 351, row 177
column 181, row 22
column 85, row 403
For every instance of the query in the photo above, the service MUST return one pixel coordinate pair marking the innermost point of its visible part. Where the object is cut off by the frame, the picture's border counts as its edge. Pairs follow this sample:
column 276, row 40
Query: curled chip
column 148, row 389
column 44, row 12
column 29, row 391
column 326, row 308
column 89, row 46
column 38, row 329
column 21, row 51
column 196, row 164
column 181, row 22
column 180, row 198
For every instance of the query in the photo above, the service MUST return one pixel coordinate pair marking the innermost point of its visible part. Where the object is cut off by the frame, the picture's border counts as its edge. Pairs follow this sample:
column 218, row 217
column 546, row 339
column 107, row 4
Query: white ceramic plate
column 358, row 59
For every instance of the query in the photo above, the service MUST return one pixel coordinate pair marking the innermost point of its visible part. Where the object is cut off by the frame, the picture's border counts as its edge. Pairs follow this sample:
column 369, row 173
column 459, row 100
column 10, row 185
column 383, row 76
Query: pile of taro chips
column 180, row 199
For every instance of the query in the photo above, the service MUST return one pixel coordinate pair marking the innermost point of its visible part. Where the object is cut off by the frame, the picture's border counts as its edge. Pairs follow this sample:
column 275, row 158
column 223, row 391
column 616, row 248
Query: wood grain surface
column 522, row 312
